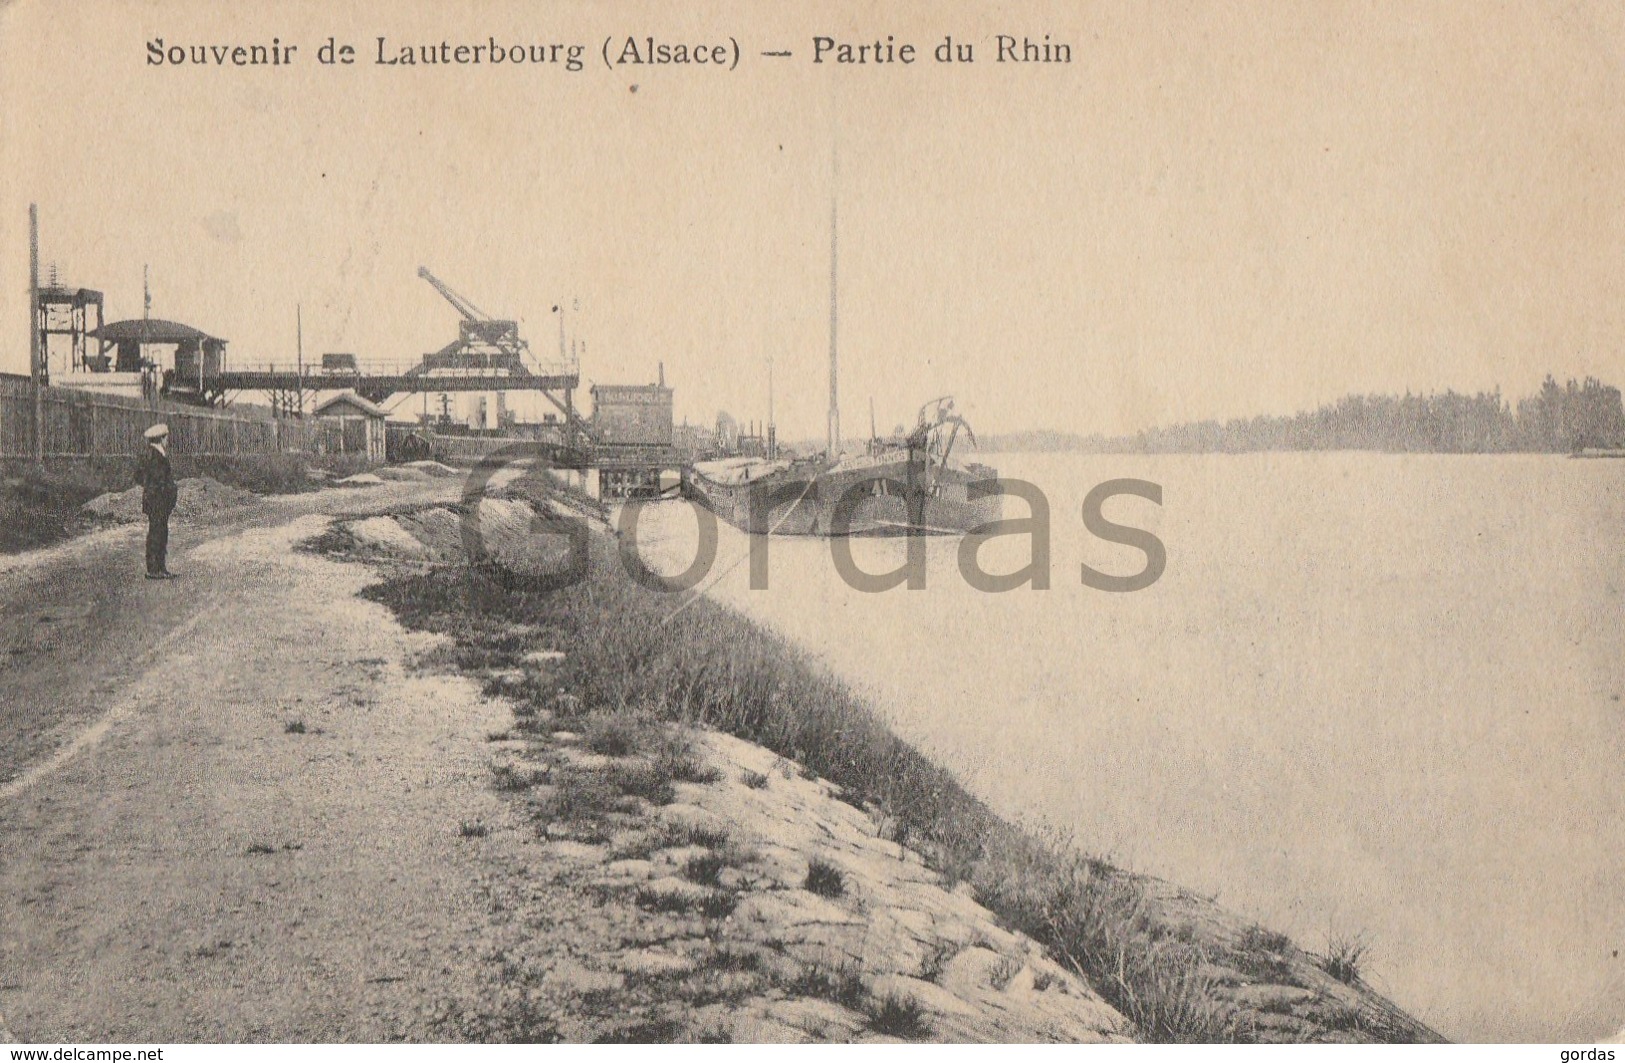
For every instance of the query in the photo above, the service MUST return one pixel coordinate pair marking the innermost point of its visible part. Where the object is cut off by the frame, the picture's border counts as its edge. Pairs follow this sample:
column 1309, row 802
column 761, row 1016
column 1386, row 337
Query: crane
column 469, row 311
column 484, row 342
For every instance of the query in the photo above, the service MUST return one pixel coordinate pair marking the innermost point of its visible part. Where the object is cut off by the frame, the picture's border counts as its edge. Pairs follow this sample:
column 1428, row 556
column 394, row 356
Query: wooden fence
column 88, row 424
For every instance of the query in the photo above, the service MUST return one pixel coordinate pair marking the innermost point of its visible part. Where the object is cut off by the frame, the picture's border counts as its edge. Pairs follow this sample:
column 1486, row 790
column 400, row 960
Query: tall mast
column 834, row 403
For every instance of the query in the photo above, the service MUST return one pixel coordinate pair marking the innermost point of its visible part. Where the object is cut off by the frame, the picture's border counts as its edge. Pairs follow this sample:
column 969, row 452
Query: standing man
column 158, row 493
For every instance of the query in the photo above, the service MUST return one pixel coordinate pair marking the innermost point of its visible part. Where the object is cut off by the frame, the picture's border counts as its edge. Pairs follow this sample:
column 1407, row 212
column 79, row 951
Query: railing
column 316, row 376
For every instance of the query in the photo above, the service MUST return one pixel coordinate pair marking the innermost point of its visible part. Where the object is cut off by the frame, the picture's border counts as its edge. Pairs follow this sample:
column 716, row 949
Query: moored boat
column 909, row 484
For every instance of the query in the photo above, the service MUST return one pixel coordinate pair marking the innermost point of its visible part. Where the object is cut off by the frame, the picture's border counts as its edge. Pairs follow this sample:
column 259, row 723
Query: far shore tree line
column 1558, row 419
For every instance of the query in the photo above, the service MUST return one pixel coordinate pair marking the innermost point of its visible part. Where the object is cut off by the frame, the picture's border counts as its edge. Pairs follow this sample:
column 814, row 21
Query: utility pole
column 834, row 440
column 36, row 350
column 299, row 355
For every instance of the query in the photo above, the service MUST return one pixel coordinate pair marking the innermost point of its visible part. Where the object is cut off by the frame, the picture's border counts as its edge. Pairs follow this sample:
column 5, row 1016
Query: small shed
column 346, row 423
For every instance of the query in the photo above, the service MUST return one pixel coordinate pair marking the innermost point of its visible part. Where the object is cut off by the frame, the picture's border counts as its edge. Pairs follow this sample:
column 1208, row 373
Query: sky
column 1212, row 210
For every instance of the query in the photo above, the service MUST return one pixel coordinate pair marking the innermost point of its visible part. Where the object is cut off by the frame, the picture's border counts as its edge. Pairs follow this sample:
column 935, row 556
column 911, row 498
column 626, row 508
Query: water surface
column 1371, row 694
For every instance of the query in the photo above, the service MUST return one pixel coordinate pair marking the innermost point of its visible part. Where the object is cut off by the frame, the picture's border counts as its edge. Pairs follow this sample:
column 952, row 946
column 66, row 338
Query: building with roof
column 140, row 357
column 346, row 423
column 632, row 415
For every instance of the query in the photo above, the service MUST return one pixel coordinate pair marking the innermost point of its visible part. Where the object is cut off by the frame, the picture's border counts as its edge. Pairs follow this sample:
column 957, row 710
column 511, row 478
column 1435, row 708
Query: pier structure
column 488, row 356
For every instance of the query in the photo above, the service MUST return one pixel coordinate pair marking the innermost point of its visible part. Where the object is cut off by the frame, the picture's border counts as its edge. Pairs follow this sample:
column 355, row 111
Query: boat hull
column 857, row 501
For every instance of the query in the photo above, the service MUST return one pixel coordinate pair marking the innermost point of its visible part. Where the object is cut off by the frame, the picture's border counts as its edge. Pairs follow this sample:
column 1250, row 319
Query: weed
column 936, row 960
column 1005, row 971
column 260, row 849
column 1257, row 939
column 1262, row 954
column 719, row 905
column 508, row 778
column 578, row 795
column 672, row 836
column 1345, row 954
column 824, row 879
column 676, row 757
column 1342, row 1018
column 473, row 829
column 643, row 780
column 694, row 834
column 712, row 904
column 647, row 1032
column 754, row 779
column 705, row 868
column 898, row 1016
column 617, row 734
column 839, row 985
column 726, row 959
column 664, row 900
column 294, row 727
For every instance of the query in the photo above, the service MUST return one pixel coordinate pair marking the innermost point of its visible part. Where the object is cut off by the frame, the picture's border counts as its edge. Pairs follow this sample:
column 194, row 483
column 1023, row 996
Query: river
column 1373, row 695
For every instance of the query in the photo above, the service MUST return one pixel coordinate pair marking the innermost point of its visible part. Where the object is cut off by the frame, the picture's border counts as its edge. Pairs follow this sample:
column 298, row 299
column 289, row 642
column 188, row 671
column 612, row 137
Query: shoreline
column 1177, row 966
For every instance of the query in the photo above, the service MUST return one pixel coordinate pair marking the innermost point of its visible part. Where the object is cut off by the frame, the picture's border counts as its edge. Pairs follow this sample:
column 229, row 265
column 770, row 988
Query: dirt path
column 180, row 860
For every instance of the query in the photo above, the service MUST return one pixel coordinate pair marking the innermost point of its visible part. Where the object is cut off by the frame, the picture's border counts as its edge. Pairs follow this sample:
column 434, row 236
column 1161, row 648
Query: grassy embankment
column 632, row 666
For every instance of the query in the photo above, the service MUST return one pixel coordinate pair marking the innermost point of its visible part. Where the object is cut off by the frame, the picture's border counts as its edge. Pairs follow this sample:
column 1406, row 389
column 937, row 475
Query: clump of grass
column 1345, row 956
column 754, row 779
column 1257, row 939
column 824, row 879
column 294, row 727
column 260, row 849
column 472, row 829
column 936, row 961
column 705, row 868
column 643, row 780
column 839, row 985
column 712, row 904
column 719, row 905
column 673, row 836
column 1006, row 971
column 898, row 1016
column 1100, row 923
column 697, row 834
column 730, row 959
column 617, row 734
column 1344, row 1019
column 581, row 795
column 510, row 779
column 676, row 756
column 664, row 900
column 663, row 1030
column 1262, row 954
